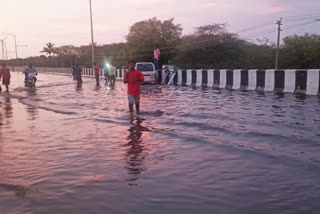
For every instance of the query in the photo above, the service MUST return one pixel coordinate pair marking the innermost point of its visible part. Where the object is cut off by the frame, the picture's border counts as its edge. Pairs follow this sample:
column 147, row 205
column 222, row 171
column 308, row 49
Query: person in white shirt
column 31, row 71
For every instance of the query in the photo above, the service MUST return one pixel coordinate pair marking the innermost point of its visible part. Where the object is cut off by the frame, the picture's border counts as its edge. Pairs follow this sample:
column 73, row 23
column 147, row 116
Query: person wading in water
column 96, row 69
column 133, row 78
column 5, row 75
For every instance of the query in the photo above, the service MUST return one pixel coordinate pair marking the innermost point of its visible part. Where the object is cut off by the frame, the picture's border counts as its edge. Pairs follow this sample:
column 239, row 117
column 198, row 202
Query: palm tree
column 50, row 50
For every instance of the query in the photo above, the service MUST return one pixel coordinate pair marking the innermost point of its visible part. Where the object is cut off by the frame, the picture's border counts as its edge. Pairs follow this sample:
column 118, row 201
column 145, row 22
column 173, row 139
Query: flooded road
column 70, row 150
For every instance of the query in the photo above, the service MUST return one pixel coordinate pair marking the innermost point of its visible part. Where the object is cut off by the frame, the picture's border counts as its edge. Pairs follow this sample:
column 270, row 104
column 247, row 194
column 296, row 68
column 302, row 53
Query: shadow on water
column 31, row 92
column 20, row 191
column 300, row 96
column 279, row 95
column 135, row 149
column 78, row 88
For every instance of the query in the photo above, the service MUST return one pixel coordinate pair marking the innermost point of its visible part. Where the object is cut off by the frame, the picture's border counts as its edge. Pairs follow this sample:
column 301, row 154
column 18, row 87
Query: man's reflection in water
column 32, row 113
column 8, row 107
column 135, row 151
column 5, row 114
column 31, row 110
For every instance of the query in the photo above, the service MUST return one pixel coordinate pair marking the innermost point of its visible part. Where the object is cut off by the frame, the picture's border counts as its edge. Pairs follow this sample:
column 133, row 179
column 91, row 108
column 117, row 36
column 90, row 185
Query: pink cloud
column 218, row 5
column 275, row 9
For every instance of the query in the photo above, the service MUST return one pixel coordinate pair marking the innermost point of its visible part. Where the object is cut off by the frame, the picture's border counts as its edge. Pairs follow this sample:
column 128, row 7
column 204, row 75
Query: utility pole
column 92, row 42
column 15, row 42
column 279, row 23
column 15, row 45
column 5, row 46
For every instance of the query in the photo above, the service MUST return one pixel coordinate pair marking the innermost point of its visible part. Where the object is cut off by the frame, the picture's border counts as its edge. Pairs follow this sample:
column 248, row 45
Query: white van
column 148, row 70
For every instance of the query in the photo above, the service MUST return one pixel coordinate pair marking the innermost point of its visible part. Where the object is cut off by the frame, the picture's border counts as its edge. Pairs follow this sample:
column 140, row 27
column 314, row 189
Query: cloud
column 275, row 9
column 67, row 21
column 218, row 5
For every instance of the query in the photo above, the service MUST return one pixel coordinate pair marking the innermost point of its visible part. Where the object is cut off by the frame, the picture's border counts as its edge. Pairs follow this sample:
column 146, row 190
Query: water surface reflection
column 194, row 151
column 135, row 154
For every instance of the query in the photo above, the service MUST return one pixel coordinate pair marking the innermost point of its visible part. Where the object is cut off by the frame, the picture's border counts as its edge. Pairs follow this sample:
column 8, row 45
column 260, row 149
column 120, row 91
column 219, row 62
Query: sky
column 63, row 22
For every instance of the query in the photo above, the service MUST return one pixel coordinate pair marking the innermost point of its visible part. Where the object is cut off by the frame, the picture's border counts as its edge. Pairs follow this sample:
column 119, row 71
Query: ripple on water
column 78, row 150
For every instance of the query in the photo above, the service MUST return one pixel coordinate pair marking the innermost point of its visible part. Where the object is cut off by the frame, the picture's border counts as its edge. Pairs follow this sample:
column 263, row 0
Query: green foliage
column 49, row 49
column 208, row 47
column 301, row 51
column 145, row 35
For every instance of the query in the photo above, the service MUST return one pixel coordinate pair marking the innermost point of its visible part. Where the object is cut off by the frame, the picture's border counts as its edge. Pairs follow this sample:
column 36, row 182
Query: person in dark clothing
column 96, row 69
column 72, row 70
column 78, row 75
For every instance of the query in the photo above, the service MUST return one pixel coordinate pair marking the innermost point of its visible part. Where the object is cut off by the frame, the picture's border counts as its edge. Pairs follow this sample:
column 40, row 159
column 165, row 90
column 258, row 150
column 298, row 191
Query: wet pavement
column 65, row 149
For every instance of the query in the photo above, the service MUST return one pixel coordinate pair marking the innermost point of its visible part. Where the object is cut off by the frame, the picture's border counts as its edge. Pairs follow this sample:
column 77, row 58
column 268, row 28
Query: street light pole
column 15, row 45
column 92, row 42
column 3, row 48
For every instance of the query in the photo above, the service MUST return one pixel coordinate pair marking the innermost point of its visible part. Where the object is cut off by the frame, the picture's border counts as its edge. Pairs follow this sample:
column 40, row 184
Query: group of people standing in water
column 133, row 78
column 108, row 71
column 28, row 70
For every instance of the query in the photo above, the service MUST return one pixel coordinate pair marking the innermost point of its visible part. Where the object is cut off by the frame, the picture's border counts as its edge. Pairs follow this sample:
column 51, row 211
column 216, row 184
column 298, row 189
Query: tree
column 210, row 46
column 145, row 35
column 301, row 51
column 49, row 49
column 67, row 55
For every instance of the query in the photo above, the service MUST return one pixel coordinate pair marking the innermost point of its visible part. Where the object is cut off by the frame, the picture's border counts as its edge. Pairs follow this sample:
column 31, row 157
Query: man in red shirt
column 96, row 73
column 133, row 78
column 5, row 75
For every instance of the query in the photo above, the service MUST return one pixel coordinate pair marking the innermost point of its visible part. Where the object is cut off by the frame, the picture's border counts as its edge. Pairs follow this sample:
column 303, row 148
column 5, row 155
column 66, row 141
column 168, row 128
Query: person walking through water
column 133, row 78
column 72, row 70
column 106, row 73
column 5, row 75
column 112, row 77
column 25, row 69
column 156, row 55
column 96, row 69
column 78, row 74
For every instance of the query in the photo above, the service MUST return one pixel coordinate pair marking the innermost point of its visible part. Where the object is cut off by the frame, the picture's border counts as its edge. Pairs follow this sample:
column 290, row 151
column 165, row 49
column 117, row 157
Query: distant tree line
column 209, row 46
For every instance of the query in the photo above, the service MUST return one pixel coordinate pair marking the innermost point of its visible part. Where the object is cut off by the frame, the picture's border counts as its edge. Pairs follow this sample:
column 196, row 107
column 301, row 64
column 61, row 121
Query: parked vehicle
column 148, row 70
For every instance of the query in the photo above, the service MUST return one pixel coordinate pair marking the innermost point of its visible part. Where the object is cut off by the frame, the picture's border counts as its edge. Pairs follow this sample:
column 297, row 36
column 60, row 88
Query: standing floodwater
column 65, row 149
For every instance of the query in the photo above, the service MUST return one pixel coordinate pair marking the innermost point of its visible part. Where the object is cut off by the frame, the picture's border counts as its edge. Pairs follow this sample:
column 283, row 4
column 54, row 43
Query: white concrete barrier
column 313, row 82
column 288, row 81
column 223, row 79
column 269, row 82
column 236, row 79
column 199, row 78
column 252, row 83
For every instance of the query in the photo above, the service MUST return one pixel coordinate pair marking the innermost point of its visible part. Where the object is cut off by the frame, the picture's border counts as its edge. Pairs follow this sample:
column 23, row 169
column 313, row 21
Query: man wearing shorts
column 5, row 75
column 133, row 78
